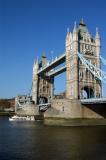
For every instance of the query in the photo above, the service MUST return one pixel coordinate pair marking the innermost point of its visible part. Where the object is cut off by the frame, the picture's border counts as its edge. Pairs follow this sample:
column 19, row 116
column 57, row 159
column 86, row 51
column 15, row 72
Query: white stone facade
column 80, row 40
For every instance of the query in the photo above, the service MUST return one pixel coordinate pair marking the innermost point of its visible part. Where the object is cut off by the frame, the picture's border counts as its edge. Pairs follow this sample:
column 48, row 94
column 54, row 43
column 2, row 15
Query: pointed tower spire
column 67, row 36
column 67, row 30
column 82, row 22
column 43, row 55
column 75, row 35
column 97, row 42
column 75, row 27
column 97, row 33
column 36, row 61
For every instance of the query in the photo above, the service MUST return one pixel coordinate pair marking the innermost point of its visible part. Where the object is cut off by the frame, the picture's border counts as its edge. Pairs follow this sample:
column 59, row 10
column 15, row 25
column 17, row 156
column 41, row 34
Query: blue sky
column 30, row 27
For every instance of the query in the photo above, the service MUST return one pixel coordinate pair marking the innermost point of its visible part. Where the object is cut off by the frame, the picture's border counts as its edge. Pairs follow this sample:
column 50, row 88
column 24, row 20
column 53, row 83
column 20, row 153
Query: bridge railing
column 94, row 100
column 44, row 106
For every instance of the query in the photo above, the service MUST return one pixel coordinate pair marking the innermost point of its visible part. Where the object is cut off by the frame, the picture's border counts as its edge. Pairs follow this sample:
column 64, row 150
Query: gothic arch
column 87, row 92
column 43, row 99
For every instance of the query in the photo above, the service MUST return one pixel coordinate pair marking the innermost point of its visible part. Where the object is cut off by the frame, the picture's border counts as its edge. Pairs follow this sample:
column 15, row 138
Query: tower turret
column 71, row 64
column 43, row 60
column 75, row 35
column 35, row 81
column 35, row 66
column 97, row 47
column 79, row 79
column 68, row 40
column 97, row 42
column 97, row 34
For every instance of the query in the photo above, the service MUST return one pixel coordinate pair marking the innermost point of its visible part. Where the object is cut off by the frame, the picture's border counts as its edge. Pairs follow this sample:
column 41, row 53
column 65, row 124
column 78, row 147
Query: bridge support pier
column 65, row 112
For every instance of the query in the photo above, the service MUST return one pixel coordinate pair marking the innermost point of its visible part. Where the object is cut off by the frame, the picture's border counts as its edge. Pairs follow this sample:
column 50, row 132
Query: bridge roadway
column 93, row 101
column 84, row 101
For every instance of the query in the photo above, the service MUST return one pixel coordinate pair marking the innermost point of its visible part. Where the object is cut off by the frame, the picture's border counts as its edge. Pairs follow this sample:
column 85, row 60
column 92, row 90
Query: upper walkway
column 51, row 65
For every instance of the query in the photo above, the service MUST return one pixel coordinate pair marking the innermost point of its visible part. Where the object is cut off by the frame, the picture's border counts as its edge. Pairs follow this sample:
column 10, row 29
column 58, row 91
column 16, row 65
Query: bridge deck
column 44, row 106
column 93, row 101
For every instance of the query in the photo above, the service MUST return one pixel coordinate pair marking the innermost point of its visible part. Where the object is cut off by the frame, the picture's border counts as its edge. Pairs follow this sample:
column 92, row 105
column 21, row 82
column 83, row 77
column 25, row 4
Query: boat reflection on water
column 21, row 118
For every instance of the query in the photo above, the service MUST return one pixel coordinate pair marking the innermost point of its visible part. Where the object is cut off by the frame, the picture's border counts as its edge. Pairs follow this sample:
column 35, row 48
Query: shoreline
column 54, row 121
column 7, row 113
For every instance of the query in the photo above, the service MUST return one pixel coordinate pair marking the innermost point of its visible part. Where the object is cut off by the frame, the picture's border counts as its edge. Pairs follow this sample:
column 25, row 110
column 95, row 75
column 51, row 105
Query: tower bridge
column 81, row 61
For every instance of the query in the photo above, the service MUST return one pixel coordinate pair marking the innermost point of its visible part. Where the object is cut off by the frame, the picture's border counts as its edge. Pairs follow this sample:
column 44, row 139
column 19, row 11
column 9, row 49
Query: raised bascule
column 83, row 102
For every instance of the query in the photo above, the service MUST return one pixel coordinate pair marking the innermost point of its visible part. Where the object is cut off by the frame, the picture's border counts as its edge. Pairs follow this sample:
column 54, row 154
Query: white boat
column 22, row 118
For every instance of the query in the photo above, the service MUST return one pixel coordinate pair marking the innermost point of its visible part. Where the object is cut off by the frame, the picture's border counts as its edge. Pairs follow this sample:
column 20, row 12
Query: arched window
column 87, row 92
column 87, row 73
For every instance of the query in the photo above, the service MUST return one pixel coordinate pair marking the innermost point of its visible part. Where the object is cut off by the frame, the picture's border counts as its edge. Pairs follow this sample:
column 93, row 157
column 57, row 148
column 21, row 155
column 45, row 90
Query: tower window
column 82, row 47
column 44, row 89
column 87, row 73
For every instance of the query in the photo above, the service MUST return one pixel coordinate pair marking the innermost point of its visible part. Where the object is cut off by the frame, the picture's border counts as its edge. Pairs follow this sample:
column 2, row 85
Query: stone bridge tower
column 80, row 81
column 35, row 81
column 41, row 83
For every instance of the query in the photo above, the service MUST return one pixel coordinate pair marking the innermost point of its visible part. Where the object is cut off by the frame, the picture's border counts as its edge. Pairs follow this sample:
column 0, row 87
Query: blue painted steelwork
column 103, row 60
column 97, row 72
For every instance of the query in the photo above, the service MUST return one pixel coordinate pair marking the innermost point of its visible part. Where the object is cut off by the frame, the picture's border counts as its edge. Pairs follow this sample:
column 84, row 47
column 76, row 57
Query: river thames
column 35, row 141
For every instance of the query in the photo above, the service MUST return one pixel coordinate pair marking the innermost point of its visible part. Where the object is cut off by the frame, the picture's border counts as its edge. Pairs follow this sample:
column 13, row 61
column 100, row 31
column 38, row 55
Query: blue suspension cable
column 97, row 72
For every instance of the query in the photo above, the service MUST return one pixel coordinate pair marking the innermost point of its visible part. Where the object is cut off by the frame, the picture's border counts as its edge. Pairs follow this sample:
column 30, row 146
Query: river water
column 34, row 141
